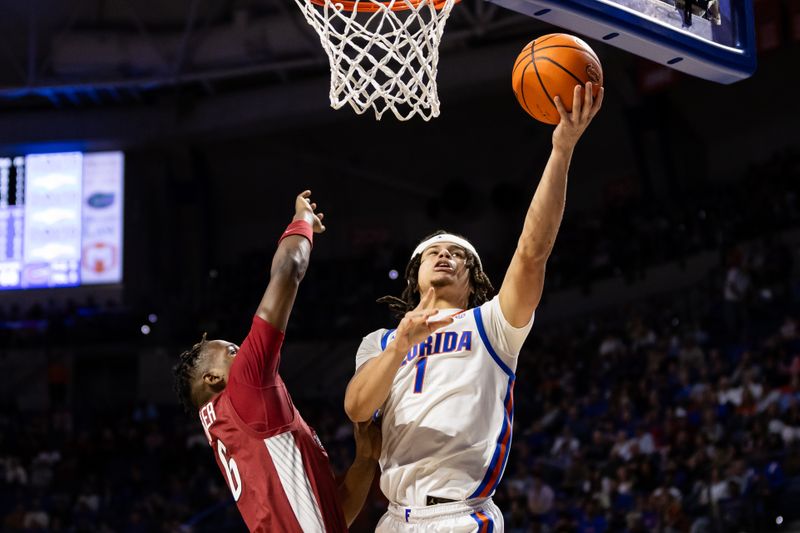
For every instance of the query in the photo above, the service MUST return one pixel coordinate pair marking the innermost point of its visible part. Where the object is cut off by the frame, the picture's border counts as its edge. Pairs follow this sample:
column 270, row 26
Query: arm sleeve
column 505, row 338
column 259, row 356
column 255, row 388
column 370, row 347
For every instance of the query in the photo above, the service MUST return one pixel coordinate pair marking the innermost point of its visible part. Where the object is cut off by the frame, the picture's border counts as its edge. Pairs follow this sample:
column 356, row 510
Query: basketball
column 551, row 66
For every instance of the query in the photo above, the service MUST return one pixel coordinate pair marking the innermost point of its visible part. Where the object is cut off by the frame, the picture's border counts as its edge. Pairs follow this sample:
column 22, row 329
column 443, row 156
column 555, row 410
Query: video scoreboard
column 61, row 220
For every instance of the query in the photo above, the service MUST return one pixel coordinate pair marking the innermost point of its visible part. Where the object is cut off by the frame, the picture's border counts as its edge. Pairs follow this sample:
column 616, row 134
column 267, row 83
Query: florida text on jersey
column 447, row 421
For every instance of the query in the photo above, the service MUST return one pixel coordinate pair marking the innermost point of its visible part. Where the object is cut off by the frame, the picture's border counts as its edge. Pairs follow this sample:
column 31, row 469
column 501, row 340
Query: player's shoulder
column 376, row 334
column 378, row 338
column 263, row 325
column 490, row 306
column 380, row 332
column 372, row 342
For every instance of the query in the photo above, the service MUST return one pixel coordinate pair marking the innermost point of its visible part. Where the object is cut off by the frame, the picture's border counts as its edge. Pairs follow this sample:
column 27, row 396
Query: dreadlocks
column 184, row 373
column 482, row 288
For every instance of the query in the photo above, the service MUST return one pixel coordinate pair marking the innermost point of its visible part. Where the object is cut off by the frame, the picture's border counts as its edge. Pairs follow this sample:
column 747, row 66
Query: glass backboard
column 711, row 39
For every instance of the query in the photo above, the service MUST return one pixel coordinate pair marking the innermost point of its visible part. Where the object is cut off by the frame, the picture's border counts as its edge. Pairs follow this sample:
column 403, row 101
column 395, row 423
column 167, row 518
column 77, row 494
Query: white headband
column 451, row 239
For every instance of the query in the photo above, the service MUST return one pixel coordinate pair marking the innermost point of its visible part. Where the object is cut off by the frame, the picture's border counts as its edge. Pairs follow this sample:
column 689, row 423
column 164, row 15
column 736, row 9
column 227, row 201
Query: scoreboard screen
column 61, row 220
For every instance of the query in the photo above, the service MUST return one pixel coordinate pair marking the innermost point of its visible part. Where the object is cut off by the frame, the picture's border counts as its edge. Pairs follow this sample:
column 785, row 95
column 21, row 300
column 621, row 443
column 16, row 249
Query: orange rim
column 366, row 6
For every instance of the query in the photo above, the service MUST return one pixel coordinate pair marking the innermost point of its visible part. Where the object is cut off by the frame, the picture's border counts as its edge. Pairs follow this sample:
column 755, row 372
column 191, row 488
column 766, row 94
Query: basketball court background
column 223, row 116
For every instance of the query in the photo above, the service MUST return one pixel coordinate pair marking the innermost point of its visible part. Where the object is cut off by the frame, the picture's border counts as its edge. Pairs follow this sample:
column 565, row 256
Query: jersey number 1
column 234, row 479
column 422, row 362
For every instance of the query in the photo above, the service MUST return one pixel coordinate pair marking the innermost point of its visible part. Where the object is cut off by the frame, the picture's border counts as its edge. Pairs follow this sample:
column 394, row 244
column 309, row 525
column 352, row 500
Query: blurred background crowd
column 658, row 391
column 678, row 411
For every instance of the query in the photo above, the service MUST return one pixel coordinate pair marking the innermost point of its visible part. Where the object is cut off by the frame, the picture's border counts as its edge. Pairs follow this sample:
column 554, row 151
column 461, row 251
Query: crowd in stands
column 679, row 413
column 657, row 417
column 633, row 233
column 660, row 419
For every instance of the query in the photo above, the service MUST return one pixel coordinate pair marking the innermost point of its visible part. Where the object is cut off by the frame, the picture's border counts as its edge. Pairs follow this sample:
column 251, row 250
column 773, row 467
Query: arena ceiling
column 90, row 53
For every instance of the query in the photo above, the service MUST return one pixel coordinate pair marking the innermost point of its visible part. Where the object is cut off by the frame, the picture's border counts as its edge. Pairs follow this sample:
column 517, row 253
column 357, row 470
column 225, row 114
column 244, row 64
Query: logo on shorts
column 592, row 73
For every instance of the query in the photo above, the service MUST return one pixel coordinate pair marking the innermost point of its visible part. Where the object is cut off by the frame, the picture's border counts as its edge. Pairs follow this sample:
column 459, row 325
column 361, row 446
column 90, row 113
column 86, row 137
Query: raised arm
column 290, row 262
column 522, row 287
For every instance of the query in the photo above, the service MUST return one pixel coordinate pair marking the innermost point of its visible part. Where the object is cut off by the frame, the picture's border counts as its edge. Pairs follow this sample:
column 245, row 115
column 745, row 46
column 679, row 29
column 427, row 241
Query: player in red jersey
column 271, row 459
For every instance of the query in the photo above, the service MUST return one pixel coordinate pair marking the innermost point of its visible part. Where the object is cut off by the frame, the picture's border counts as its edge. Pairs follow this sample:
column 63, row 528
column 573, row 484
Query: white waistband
column 421, row 514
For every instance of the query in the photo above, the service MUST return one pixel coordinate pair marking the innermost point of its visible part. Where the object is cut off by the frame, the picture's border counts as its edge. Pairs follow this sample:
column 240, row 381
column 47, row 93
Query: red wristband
column 299, row 227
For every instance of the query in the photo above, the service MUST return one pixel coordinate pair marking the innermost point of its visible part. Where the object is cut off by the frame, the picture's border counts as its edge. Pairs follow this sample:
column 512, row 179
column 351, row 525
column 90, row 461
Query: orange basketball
column 550, row 66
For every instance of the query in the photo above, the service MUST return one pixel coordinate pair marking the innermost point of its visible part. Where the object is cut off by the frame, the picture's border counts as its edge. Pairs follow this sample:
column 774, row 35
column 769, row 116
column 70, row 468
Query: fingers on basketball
column 562, row 112
column 551, row 66
column 577, row 106
column 588, row 101
column 598, row 102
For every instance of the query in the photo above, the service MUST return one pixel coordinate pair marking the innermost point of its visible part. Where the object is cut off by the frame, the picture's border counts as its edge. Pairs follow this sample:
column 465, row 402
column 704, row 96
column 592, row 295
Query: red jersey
column 272, row 461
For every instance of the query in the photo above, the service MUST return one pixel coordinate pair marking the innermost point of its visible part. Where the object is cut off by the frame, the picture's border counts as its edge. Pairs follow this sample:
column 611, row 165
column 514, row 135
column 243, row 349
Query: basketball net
column 383, row 55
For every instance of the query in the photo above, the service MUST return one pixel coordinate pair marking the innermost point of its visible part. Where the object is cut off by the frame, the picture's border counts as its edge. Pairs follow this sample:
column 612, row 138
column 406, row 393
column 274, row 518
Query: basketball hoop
column 383, row 55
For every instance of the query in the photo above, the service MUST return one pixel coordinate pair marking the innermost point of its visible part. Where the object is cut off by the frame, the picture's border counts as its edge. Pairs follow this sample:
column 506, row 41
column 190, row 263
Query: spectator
column 735, row 291
column 540, row 499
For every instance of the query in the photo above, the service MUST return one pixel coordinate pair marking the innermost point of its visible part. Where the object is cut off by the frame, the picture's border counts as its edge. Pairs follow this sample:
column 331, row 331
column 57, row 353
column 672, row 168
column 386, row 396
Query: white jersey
column 447, row 421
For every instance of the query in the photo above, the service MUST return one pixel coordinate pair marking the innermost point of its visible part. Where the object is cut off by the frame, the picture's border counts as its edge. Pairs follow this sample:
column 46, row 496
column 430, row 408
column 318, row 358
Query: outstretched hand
column 304, row 209
column 416, row 326
column 574, row 123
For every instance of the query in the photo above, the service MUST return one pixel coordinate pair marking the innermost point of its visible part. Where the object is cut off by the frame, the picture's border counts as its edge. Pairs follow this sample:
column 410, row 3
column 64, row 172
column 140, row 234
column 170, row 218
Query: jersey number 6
column 234, row 479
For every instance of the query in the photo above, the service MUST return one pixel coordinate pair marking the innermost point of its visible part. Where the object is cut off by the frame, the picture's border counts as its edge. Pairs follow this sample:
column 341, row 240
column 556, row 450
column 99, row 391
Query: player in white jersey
column 444, row 378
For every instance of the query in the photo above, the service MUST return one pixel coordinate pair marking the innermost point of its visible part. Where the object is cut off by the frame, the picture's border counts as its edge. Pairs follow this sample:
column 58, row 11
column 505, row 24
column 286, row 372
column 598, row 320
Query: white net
column 383, row 55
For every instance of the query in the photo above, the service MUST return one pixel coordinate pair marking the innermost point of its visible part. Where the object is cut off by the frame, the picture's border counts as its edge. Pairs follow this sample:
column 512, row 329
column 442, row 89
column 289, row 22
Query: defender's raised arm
column 290, row 262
